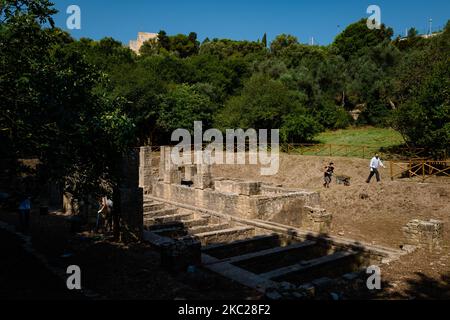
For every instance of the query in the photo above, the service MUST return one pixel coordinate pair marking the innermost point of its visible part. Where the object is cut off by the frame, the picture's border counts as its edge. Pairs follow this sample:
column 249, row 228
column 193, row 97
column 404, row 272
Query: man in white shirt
column 375, row 163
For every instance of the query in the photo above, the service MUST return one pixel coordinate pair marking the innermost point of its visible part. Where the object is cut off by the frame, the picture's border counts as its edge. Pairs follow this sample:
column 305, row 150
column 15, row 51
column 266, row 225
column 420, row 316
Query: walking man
column 375, row 163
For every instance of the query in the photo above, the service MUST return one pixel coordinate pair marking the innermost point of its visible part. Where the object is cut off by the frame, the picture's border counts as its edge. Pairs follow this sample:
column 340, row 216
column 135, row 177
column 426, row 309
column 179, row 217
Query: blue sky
column 245, row 19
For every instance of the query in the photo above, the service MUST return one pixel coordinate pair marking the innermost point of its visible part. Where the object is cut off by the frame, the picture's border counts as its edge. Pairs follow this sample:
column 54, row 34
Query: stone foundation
column 179, row 255
column 424, row 234
column 146, row 171
column 130, row 197
column 244, row 199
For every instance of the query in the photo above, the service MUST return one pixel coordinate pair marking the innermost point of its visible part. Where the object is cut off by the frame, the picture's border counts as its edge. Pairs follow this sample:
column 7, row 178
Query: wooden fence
column 419, row 168
column 334, row 150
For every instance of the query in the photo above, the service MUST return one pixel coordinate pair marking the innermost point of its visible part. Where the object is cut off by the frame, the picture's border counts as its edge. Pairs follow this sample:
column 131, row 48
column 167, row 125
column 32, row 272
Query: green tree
column 49, row 105
column 183, row 105
column 163, row 40
column 299, row 128
column 357, row 37
column 423, row 115
column 264, row 40
column 281, row 42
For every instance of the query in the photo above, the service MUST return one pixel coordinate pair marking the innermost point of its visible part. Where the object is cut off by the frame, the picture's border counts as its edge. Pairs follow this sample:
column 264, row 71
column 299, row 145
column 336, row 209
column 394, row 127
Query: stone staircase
column 167, row 221
column 253, row 256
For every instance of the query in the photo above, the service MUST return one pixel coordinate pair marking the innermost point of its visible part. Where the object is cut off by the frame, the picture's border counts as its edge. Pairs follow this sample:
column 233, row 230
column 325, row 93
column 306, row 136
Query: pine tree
column 264, row 40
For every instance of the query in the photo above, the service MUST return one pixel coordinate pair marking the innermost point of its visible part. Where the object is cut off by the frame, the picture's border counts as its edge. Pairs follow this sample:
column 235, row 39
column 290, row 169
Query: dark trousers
column 24, row 220
column 372, row 173
column 100, row 222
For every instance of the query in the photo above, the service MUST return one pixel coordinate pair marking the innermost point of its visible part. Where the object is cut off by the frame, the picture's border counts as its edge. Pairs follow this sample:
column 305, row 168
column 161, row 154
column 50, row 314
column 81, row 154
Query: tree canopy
column 78, row 104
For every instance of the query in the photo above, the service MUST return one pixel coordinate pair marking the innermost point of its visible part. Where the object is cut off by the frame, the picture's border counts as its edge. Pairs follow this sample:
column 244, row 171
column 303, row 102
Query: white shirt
column 375, row 163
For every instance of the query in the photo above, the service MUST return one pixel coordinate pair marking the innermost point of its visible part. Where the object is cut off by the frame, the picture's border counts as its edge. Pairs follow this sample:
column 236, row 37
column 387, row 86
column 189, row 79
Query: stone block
column 424, row 234
column 179, row 255
column 190, row 171
column 247, row 188
column 226, row 186
column 317, row 219
column 203, row 179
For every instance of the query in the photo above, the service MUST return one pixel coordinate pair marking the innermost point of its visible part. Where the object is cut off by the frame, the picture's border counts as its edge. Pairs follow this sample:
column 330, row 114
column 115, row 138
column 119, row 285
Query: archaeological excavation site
column 223, row 158
column 221, row 232
column 266, row 237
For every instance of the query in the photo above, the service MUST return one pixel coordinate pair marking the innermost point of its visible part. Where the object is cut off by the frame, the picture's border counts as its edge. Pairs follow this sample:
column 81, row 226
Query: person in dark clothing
column 328, row 174
column 101, row 215
column 24, row 213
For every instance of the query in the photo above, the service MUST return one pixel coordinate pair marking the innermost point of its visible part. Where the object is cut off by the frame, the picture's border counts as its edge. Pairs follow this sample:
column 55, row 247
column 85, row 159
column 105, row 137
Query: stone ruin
column 194, row 185
column 268, row 238
column 424, row 234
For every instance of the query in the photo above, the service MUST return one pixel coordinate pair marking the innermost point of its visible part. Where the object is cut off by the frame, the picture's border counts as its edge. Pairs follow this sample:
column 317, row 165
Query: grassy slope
column 367, row 136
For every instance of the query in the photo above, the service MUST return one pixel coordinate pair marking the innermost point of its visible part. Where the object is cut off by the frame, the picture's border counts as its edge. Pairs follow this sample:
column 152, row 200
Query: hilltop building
column 136, row 45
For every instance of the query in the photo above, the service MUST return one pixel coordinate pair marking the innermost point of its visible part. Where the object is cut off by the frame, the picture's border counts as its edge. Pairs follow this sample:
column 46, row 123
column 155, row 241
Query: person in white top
column 375, row 163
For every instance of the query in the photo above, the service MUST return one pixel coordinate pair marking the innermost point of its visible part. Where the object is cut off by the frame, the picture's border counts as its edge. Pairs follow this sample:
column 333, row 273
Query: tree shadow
column 427, row 288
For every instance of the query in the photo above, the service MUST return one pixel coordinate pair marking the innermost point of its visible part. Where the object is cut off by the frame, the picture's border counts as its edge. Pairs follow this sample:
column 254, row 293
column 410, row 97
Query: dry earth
column 378, row 219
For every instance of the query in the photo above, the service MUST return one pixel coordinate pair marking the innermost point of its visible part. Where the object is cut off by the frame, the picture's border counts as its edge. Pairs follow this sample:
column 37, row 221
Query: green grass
column 365, row 136
column 360, row 142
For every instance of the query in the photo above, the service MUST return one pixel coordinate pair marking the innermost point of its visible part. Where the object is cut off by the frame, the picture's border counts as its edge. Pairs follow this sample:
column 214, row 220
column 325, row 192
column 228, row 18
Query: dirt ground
column 377, row 219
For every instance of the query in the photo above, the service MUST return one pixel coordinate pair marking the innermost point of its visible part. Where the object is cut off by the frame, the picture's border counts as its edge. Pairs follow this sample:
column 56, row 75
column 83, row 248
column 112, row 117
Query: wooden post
column 392, row 171
column 423, row 171
column 409, row 168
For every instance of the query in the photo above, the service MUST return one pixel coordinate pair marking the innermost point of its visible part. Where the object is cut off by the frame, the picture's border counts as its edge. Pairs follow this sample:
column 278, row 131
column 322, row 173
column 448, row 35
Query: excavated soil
column 376, row 218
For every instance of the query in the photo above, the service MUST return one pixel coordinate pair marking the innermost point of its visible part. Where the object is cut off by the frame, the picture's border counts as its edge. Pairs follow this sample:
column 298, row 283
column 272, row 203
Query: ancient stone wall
column 424, row 234
column 244, row 199
column 131, row 197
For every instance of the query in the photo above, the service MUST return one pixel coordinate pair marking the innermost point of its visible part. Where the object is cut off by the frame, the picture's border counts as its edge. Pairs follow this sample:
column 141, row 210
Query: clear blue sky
column 245, row 19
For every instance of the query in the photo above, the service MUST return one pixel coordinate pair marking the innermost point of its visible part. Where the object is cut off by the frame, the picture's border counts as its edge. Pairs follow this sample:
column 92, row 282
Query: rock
column 298, row 295
column 364, row 196
column 308, row 289
column 334, row 296
column 408, row 248
column 351, row 276
column 273, row 295
column 286, row 286
column 322, row 282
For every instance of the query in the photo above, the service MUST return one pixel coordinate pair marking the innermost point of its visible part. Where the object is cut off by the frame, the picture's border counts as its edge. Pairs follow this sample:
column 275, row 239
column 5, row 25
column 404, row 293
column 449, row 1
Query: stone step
column 160, row 213
column 148, row 198
column 153, row 206
column 208, row 228
column 271, row 252
column 227, row 250
column 203, row 221
column 308, row 266
column 179, row 217
column 182, row 230
column 180, row 225
column 225, row 236
column 271, row 259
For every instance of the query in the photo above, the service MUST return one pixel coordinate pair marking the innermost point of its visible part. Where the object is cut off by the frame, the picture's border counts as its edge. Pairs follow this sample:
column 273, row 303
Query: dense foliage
column 50, row 105
column 77, row 104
